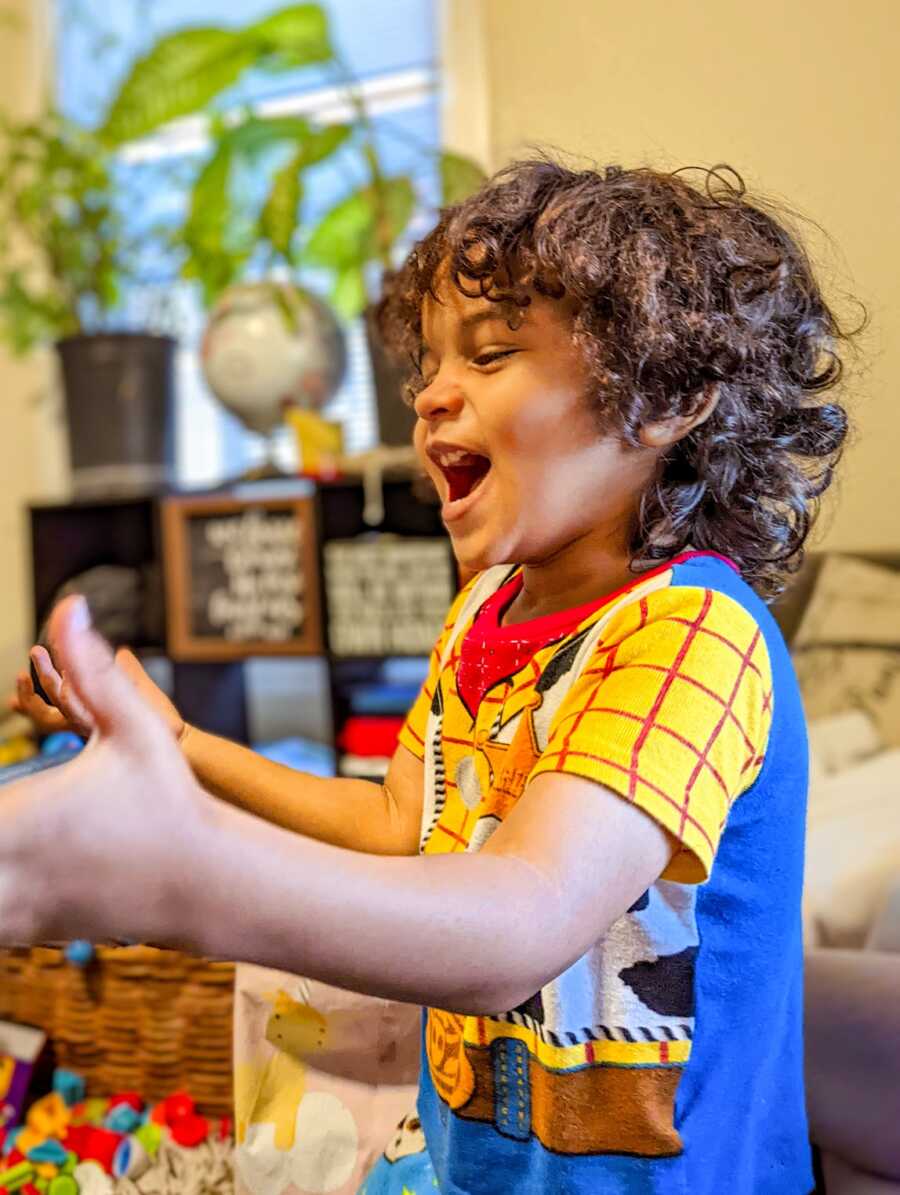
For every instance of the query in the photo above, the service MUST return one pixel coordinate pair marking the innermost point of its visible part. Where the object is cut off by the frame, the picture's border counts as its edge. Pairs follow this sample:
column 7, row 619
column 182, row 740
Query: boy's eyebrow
column 501, row 313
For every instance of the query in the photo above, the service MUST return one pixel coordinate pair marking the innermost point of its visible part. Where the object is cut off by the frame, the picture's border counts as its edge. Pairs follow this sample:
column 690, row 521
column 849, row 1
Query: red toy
column 178, row 1105
column 190, row 1130
column 93, row 1144
column 131, row 1098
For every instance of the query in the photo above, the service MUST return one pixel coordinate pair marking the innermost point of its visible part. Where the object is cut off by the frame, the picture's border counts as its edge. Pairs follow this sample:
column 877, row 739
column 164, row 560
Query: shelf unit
column 411, row 520
column 68, row 540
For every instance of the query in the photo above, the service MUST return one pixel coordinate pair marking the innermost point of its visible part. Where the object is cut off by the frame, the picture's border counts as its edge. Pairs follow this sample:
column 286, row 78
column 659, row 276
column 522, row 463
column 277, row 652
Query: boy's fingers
column 129, row 663
column 47, row 672
column 107, row 695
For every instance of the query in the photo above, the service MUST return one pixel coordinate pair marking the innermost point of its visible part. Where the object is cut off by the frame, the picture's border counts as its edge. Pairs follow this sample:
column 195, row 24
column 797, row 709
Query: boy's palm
column 110, row 827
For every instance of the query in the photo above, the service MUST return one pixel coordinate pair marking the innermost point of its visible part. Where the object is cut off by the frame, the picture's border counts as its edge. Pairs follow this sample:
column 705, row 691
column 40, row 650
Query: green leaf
column 208, row 213
column 344, row 234
column 349, row 294
column 181, row 74
column 186, row 70
column 362, row 227
column 211, row 257
column 295, row 36
column 29, row 319
column 278, row 218
column 460, row 178
column 258, row 133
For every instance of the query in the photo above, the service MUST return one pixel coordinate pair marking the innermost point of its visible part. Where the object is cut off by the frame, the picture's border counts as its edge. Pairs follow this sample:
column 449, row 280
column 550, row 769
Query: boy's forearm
column 465, row 932
column 354, row 814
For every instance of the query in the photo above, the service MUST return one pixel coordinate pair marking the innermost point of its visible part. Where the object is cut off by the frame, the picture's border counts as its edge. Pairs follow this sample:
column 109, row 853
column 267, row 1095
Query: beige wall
column 803, row 97
column 31, row 462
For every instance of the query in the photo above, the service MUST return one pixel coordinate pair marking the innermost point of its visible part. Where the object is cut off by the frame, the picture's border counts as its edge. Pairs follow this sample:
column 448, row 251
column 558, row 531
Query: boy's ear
column 666, row 432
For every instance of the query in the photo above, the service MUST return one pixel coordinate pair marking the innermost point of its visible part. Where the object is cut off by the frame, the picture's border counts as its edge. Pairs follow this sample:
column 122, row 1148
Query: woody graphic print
column 661, row 693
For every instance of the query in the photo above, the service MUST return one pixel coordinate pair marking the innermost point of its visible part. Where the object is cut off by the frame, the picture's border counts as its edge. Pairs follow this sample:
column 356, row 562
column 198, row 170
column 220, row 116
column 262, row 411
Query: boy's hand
column 67, row 712
column 97, row 848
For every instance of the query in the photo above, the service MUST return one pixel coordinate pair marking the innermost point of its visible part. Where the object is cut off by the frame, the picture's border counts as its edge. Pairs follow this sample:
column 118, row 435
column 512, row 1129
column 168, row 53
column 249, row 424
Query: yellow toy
column 47, row 1117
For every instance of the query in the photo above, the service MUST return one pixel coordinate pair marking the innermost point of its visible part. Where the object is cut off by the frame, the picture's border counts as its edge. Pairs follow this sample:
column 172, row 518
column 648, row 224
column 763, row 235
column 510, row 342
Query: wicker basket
column 137, row 1019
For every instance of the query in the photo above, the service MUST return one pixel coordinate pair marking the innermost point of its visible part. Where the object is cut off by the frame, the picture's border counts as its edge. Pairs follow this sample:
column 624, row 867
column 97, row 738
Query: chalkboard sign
column 387, row 595
column 241, row 578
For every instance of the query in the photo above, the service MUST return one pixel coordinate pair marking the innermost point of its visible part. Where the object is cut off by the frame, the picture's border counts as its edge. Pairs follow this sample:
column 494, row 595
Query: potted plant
column 64, row 260
column 226, row 236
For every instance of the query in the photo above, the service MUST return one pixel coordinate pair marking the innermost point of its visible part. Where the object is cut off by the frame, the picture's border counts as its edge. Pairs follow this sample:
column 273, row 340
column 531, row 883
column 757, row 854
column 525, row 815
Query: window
column 390, row 49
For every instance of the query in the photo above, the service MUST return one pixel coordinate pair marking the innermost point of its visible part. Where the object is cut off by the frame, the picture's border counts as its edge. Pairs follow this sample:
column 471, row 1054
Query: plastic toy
column 132, row 1098
column 69, row 1085
column 49, row 1150
column 122, row 1119
column 150, row 1136
column 189, row 1130
column 131, row 1160
column 63, row 1184
column 16, row 1176
column 79, row 952
column 48, row 1117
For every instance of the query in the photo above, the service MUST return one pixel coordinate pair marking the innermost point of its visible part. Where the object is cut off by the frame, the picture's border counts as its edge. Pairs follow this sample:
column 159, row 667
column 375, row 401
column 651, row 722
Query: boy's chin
column 475, row 557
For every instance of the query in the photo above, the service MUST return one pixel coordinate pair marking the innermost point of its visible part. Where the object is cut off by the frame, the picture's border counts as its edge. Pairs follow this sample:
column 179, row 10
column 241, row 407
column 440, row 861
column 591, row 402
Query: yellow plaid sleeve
column 673, row 713
column 412, row 734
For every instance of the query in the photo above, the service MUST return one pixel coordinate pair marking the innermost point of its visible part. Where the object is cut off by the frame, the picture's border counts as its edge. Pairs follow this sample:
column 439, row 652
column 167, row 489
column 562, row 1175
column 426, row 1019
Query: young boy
column 586, row 858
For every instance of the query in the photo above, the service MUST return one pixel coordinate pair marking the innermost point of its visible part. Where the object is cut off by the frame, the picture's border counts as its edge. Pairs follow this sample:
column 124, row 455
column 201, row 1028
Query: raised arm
column 380, row 818
column 150, row 855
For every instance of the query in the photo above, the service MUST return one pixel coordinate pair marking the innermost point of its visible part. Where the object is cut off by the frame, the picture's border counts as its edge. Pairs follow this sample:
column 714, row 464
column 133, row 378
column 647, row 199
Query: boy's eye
column 489, row 358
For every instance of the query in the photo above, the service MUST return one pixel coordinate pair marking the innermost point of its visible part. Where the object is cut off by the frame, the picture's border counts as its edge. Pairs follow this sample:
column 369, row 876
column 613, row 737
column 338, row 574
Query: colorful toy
column 189, row 1130
column 61, row 742
column 69, row 1085
column 28, row 1140
column 94, row 1110
column 70, row 1145
column 9, row 1141
column 79, row 952
column 101, row 1147
column 63, row 1184
column 48, row 1117
column 49, row 1150
column 150, row 1136
column 176, row 1106
column 132, row 1098
column 122, row 1119
column 131, row 1160
column 16, row 1176
column 21, row 1047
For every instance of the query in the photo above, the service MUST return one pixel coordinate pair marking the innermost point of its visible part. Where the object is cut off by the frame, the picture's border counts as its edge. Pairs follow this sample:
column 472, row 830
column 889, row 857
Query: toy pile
column 70, row 1145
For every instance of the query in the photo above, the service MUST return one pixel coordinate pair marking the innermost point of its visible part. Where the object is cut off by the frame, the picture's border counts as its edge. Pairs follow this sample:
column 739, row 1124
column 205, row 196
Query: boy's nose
column 441, row 398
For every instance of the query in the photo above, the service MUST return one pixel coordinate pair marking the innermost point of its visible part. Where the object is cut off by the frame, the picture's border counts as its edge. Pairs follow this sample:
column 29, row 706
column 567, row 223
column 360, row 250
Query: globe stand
column 268, row 469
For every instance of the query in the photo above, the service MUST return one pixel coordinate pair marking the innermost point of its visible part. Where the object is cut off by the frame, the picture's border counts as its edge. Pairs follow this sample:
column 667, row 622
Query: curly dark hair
column 676, row 287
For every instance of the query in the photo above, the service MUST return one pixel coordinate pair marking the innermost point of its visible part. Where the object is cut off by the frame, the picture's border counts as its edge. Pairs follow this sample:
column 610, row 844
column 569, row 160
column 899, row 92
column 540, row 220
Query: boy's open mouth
column 463, row 471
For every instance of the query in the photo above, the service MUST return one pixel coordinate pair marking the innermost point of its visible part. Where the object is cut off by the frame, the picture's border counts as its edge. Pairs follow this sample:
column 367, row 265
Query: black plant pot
column 120, row 409
column 396, row 420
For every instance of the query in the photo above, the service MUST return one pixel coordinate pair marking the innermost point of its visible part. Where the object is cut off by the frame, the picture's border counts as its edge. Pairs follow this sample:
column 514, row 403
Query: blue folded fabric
column 302, row 754
column 382, row 698
column 37, row 763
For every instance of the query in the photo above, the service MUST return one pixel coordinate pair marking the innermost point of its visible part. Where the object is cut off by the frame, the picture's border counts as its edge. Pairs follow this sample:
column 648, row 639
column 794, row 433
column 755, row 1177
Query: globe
column 269, row 346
